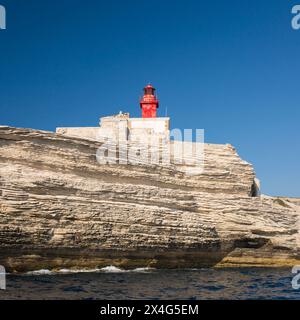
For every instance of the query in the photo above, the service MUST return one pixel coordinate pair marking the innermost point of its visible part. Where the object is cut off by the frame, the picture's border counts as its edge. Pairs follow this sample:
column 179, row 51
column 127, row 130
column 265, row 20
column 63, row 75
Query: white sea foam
column 108, row 269
column 116, row 270
column 112, row 269
column 65, row 271
column 60, row 271
column 147, row 269
column 40, row 272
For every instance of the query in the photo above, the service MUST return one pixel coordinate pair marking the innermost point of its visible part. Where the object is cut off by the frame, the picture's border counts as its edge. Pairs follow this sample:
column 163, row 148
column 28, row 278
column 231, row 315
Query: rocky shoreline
column 59, row 208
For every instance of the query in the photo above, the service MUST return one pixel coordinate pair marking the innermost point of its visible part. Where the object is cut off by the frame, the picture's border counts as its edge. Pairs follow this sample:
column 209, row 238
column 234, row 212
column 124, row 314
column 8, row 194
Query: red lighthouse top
column 149, row 103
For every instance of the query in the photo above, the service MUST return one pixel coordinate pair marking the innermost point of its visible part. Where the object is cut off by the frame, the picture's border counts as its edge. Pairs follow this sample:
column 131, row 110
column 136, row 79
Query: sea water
column 147, row 283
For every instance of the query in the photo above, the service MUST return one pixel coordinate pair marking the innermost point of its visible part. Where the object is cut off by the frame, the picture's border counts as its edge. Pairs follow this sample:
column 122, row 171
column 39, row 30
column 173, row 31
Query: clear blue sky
column 229, row 67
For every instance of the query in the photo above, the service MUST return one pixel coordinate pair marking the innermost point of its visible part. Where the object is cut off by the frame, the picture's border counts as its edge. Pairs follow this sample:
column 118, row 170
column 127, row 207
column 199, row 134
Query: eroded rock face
column 60, row 208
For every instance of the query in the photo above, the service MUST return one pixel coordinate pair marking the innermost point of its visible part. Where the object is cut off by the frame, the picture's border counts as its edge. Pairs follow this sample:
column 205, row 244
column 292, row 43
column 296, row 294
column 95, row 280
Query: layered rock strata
column 60, row 208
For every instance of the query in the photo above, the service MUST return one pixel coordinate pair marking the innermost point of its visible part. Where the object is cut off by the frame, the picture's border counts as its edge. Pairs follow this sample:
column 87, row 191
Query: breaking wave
column 115, row 269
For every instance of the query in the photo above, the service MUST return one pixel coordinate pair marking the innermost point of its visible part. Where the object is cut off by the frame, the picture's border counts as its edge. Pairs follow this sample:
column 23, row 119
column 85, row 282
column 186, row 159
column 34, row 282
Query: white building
column 122, row 127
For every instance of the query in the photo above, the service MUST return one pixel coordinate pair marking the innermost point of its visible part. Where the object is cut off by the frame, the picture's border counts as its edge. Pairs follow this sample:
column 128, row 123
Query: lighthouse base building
column 122, row 127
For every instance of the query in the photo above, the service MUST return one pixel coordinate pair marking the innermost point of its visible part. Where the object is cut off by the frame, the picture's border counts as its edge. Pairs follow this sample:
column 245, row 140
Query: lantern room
column 149, row 103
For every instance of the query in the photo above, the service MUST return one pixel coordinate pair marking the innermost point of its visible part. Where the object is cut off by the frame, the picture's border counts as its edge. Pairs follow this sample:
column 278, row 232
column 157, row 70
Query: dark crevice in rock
column 253, row 243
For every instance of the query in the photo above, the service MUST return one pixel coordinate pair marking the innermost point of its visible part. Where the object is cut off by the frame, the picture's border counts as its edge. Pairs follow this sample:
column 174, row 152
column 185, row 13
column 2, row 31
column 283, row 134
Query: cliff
column 59, row 208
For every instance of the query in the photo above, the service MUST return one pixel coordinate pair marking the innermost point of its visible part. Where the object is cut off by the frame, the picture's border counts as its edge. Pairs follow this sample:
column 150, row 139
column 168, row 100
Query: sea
column 146, row 283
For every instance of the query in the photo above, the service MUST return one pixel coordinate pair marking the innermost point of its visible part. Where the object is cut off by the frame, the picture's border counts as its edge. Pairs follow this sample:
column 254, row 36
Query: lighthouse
column 122, row 127
column 149, row 103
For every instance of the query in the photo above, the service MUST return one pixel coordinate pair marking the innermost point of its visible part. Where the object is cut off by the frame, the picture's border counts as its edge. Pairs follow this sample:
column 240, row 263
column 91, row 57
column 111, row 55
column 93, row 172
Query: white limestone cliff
column 60, row 208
